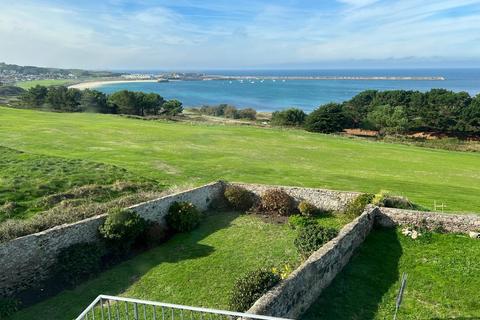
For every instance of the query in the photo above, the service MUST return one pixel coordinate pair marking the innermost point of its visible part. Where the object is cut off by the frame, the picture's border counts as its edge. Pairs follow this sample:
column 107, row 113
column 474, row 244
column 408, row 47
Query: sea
column 269, row 95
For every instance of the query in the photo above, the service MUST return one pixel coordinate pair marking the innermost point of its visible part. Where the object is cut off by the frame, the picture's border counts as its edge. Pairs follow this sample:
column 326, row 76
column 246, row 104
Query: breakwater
column 370, row 78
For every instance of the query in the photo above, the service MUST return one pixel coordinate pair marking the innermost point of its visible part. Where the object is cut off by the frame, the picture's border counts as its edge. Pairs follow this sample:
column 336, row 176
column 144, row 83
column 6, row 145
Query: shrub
column 230, row 112
column 356, row 207
column 297, row 221
column 307, row 209
column 386, row 199
column 328, row 118
column 250, row 288
column 239, row 198
column 277, row 201
column 288, row 117
column 183, row 216
column 8, row 307
column 312, row 237
column 122, row 227
column 154, row 234
column 78, row 262
column 248, row 113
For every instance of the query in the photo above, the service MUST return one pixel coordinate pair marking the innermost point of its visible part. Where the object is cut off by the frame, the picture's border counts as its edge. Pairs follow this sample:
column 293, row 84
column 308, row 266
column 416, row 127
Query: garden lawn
column 443, row 279
column 182, row 153
column 197, row 268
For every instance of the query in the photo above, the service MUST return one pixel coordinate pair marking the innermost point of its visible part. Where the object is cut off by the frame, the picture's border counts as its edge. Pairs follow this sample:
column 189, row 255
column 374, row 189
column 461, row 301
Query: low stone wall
column 390, row 217
column 329, row 200
column 294, row 295
column 26, row 261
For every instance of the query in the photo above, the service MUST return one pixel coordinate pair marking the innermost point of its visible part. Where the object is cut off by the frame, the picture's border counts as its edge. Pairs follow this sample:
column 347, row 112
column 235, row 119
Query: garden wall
column 328, row 200
column 294, row 295
column 390, row 217
column 26, row 261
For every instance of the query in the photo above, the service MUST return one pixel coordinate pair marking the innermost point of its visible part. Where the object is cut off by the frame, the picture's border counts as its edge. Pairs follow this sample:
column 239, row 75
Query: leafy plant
column 251, row 287
column 312, row 237
column 386, row 199
column 8, row 307
column 239, row 198
column 288, row 117
column 298, row 221
column 154, row 233
column 122, row 227
column 307, row 209
column 277, row 201
column 356, row 207
column 183, row 216
column 78, row 262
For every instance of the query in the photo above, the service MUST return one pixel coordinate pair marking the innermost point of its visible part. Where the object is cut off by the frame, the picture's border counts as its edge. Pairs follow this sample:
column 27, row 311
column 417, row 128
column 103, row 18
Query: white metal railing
column 106, row 307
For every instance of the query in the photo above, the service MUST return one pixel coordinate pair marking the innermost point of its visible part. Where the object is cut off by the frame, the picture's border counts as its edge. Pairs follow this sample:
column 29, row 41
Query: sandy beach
column 95, row 84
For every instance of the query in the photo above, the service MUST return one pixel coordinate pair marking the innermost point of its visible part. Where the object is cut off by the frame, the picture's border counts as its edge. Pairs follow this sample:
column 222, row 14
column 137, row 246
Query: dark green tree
column 289, row 117
column 327, row 119
column 172, row 107
column 35, row 96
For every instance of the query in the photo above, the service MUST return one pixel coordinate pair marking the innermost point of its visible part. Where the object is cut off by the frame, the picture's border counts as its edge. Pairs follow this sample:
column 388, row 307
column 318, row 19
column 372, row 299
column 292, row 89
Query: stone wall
column 294, row 295
column 390, row 217
column 329, row 200
column 26, row 261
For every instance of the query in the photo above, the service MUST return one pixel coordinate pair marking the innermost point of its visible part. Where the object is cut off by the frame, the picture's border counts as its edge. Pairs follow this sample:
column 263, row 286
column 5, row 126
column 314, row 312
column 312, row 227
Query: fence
column 118, row 308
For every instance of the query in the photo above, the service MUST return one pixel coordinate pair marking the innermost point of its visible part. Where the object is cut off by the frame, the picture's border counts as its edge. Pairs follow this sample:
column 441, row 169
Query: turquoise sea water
column 305, row 94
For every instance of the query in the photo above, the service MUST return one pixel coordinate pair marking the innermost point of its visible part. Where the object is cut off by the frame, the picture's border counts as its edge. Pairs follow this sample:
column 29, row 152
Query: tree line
column 392, row 112
column 60, row 98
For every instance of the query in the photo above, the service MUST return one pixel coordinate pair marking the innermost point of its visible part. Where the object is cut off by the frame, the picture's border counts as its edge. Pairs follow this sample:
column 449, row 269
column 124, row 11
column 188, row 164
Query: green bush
column 183, row 216
column 386, row 199
column 250, row 288
column 8, row 307
column 311, row 237
column 356, row 207
column 288, row 117
column 307, row 209
column 248, row 113
column 277, row 201
column 122, row 227
column 297, row 221
column 154, row 234
column 327, row 119
column 77, row 262
column 239, row 198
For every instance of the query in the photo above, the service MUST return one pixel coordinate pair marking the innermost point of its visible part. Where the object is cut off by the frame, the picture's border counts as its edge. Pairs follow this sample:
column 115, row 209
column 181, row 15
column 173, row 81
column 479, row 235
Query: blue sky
column 188, row 34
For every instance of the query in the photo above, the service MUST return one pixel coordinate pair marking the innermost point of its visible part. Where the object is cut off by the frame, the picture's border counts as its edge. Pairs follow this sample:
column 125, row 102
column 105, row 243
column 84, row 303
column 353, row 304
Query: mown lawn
column 26, row 180
column 197, row 268
column 443, row 279
column 182, row 153
column 53, row 82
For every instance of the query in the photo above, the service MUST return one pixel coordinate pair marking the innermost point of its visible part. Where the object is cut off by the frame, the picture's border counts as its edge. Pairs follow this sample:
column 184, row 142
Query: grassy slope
column 197, row 268
column 27, row 178
column 443, row 280
column 33, row 83
column 180, row 153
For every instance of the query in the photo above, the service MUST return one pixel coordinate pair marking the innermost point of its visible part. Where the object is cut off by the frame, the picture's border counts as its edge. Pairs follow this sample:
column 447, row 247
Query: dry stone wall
column 329, row 200
column 294, row 295
column 465, row 223
column 26, row 261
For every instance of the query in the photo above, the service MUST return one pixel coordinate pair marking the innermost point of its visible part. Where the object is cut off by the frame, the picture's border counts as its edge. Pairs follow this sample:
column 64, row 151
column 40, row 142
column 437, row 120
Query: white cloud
column 212, row 34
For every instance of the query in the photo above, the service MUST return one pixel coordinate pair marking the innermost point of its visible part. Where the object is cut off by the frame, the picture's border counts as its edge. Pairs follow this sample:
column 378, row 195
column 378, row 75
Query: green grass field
column 182, row 153
column 33, row 83
column 197, row 268
column 28, row 180
column 443, row 279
